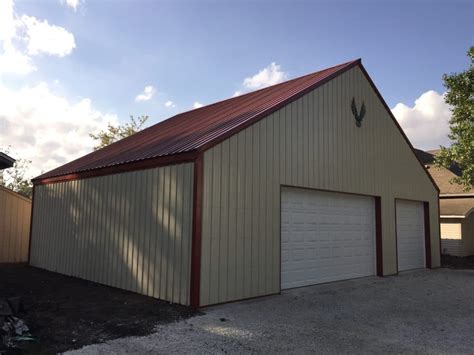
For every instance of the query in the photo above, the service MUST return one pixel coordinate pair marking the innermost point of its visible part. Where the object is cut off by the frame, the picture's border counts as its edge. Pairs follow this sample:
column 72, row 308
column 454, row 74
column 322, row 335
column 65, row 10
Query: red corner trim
column 196, row 234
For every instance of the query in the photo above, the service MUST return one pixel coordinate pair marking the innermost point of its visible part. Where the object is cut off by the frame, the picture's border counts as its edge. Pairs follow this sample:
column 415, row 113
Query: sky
column 70, row 67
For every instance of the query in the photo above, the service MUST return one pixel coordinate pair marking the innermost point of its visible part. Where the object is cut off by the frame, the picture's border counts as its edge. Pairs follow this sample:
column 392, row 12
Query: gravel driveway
column 426, row 311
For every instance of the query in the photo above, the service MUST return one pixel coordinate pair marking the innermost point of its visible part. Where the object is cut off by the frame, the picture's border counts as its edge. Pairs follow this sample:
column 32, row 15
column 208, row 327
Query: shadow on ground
column 456, row 262
column 65, row 313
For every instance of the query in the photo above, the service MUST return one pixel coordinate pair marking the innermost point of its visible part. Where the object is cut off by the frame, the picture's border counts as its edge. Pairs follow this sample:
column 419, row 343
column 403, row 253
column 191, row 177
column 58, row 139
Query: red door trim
column 378, row 235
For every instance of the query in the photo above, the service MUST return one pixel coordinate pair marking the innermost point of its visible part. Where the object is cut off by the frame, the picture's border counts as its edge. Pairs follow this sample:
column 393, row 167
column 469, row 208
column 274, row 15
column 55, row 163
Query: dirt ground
column 65, row 313
column 455, row 262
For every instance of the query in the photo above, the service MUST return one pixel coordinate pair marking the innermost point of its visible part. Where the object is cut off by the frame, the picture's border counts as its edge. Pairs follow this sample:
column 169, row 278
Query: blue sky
column 201, row 51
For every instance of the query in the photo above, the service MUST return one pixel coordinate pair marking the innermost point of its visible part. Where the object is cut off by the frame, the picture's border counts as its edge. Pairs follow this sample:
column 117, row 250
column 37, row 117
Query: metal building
column 304, row 182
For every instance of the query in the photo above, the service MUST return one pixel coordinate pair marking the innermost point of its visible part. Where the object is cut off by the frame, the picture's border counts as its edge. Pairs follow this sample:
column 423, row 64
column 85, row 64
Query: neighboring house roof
column 6, row 161
column 442, row 176
column 456, row 207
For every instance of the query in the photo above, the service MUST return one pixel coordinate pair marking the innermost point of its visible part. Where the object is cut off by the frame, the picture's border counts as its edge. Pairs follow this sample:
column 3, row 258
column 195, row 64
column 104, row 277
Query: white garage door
column 325, row 236
column 410, row 235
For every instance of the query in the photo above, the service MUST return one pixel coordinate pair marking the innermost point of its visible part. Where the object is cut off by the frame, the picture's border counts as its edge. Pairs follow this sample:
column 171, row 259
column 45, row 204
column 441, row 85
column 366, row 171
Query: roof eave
column 452, row 216
column 462, row 195
column 178, row 158
column 6, row 161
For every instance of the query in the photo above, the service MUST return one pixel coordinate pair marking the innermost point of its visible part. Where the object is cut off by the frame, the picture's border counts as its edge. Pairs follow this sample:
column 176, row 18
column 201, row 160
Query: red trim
column 426, row 207
column 125, row 167
column 397, row 124
column 274, row 108
column 396, row 233
column 378, row 235
column 31, row 223
column 279, row 241
column 197, row 230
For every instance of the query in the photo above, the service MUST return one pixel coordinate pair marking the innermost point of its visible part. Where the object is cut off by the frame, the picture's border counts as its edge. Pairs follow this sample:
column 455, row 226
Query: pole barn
column 304, row 182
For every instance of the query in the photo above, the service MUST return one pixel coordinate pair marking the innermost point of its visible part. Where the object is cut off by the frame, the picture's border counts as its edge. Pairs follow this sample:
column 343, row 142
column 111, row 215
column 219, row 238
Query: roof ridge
column 268, row 87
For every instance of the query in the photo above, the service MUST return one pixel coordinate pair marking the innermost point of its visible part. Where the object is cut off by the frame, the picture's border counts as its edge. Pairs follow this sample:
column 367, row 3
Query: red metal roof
column 200, row 128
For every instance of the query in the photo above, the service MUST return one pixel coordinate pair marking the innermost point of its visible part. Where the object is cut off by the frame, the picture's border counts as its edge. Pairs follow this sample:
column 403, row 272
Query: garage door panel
column 410, row 235
column 325, row 237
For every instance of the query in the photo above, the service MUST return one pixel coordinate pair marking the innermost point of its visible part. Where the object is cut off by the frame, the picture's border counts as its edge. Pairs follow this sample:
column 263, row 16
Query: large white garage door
column 410, row 235
column 325, row 236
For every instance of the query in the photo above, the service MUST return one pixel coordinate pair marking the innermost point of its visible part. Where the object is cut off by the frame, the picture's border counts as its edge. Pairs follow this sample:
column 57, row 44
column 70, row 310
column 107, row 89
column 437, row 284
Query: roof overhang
column 456, row 208
column 6, row 161
column 121, row 168
column 467, row 194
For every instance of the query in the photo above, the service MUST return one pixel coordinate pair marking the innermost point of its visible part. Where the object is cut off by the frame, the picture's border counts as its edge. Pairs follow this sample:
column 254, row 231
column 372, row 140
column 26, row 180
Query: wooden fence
column 15, row 215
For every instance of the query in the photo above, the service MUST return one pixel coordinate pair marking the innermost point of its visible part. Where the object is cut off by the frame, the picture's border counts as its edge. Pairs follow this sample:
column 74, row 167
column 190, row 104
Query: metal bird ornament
column 359, row 116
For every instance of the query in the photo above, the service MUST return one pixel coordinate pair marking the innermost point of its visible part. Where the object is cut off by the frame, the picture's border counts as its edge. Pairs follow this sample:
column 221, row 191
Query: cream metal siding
column 129, row 230
column 457, row 236
column 313, row 143
column 15, row 215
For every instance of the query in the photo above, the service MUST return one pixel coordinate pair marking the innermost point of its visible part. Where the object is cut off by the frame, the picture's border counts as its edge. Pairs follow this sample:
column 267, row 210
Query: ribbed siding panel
column 15, row 214
column 314, row 143
column 130, row 230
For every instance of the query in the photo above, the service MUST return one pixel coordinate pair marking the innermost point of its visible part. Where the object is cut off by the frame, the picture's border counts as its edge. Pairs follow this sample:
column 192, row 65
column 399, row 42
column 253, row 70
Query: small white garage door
column 410, row 235
column 325, row 236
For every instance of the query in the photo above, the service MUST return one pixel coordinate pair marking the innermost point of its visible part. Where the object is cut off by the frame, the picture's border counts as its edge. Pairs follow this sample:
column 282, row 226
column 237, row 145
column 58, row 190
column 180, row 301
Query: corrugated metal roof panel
column 198, row 128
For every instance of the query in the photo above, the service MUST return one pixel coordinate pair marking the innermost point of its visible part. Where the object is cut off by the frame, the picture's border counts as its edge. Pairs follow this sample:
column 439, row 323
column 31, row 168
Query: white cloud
column 169, row 104
column 146, row 95
column 42, row 37
column 426, row 123
column 12, row 61
column 197, row 104
column 270, row 75
column 46, row 128
column 73, row 4
column 237, row 93
column 22, row 37
column 7, row 21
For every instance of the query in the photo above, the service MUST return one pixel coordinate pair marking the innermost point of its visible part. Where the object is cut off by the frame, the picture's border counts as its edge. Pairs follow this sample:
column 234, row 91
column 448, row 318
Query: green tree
column 115, row 133
column 460, row 97
column 15, row 179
